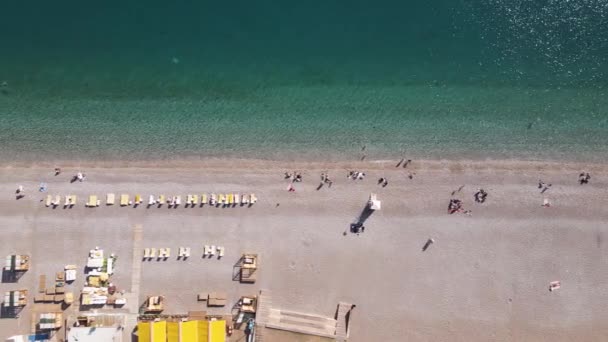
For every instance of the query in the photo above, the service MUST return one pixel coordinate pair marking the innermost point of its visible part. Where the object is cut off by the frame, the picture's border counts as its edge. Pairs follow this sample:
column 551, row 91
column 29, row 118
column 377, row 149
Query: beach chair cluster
column 231, row 199
column 55, row 201
column 209, row 251
column 164, row 254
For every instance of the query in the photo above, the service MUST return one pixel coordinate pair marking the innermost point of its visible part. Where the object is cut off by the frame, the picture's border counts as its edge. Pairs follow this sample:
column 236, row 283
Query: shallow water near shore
column 318, row 81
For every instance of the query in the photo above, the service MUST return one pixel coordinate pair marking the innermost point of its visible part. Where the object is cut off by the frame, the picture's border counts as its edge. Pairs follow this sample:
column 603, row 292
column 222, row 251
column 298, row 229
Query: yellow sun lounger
column 253, row 199
column 110, row 198
column 124, row 200
column 194, row 199
column 138, row 199
column 70, row 200
column 221, row 199
column 230, row 198
column 92, row 201
column 57, row 200
column 204, row 199
column 162, row 199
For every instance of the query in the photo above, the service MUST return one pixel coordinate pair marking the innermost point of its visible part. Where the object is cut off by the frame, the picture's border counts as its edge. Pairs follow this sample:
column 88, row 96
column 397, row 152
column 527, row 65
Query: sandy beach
column 485, row 278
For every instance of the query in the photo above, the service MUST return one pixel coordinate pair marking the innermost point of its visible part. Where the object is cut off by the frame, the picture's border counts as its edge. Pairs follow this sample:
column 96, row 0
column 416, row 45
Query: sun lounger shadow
column 320, row 186
column 365, row 214
column 74, row 179
column 11, row 277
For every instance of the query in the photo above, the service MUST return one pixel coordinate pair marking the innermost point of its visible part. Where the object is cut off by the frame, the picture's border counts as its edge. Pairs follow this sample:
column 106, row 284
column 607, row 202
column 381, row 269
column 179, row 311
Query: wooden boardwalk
column 302, row 323
column 262, row 314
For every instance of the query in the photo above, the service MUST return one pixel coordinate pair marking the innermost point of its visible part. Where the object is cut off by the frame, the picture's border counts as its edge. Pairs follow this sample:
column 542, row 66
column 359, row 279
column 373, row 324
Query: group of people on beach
column 383, row 181
column 403, row 162
column 583, row 178
column 293, row 176
column 355, row 175
column 20, row 192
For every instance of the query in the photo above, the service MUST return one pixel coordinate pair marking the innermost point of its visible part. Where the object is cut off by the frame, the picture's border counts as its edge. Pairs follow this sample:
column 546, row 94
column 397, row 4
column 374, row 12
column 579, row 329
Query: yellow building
column 190, row 331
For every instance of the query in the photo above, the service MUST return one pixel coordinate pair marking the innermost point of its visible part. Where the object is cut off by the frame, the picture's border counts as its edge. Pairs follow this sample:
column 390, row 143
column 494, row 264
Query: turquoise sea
column 147, row 80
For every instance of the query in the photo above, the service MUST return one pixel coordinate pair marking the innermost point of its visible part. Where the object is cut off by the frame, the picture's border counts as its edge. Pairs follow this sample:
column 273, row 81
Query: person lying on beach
column 459, row 189
column 454, row 206
column 406, row 163
column 545, row 188
column 480, row 196
column 20, row 192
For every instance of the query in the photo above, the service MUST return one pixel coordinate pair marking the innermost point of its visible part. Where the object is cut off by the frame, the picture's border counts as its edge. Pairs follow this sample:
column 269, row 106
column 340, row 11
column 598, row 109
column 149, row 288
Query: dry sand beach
column 485, row 278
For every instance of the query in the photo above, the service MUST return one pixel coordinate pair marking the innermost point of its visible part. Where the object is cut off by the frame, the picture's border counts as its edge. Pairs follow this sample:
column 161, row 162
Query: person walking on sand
column 57, row 171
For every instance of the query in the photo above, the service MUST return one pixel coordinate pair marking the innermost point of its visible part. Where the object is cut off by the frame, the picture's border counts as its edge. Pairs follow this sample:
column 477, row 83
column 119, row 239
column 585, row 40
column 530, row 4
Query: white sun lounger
column 212, row 250
column 57, row 200
column 213, row 199
column 237, row 199
column 151, row 200
column 152, row 252
column 178, row 200
column 146, row 252
column 124, row 200
column 206, row 250
column 253, row 199
column 110, row 198
column 220, row 251
column 48, row 200
column 189, row 199
column 245, row 199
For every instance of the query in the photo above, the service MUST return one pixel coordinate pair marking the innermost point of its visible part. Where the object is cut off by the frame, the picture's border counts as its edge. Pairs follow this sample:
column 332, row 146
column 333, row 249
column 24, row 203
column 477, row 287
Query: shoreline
column 263, row 164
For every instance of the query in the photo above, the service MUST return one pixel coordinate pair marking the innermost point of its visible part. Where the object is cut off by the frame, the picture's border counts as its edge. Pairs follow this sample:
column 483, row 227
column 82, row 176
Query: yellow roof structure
column 190, row 331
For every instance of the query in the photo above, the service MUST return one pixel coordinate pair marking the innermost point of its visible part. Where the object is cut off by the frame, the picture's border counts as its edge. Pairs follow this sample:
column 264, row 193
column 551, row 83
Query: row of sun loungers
column 163, row 253
column 230, row 199
column 70, row 200
column 184, row 252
